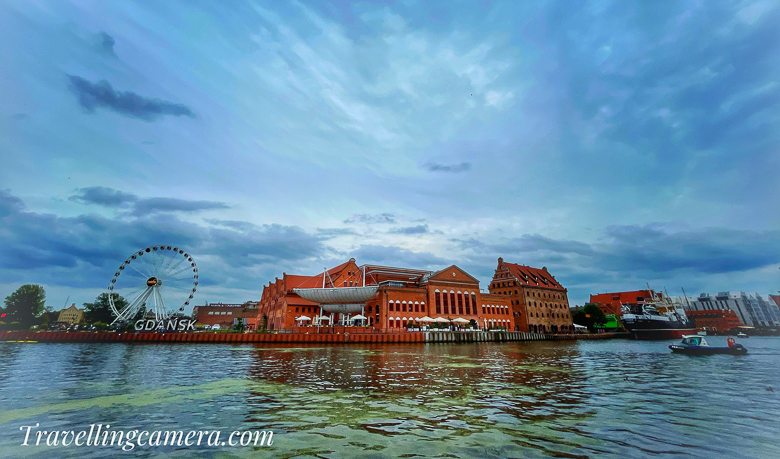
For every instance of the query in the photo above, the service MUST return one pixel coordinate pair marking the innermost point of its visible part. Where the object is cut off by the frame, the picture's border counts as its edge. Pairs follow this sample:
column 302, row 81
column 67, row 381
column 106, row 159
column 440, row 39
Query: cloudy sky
column 614, row 143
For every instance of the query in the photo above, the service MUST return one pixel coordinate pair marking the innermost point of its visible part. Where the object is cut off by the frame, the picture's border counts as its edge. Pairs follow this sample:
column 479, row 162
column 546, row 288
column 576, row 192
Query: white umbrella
column 441, row 319
column 303, row 318
column 359, row 317
column 460, row 320
column 426, row 319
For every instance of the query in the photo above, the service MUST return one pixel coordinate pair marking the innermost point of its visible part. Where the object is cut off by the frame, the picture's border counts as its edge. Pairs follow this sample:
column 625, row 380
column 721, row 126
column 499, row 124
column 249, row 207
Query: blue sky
column 615, row 143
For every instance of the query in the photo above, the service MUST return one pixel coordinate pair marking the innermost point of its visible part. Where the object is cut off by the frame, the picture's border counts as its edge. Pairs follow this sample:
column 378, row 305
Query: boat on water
column 656, row 318
column 742, row 335
column 697, row 345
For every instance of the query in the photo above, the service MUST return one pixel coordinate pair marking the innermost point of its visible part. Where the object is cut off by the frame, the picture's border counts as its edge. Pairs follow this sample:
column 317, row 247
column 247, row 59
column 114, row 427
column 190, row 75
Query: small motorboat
column 742, row 335
column 697, row 345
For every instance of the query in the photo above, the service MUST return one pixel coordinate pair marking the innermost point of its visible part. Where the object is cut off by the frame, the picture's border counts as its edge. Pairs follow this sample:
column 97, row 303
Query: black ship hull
column 658, row 329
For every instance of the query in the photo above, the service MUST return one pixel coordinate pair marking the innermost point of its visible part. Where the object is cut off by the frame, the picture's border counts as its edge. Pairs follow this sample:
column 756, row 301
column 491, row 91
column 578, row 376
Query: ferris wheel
column 159, row 279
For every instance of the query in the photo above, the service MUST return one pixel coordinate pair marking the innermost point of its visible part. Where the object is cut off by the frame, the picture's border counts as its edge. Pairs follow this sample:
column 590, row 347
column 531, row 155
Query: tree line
column 26, row 307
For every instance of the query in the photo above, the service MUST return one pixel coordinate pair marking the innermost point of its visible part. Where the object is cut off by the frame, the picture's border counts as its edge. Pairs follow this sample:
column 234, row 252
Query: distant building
column 754, row 310
column 610, row 303
column 225, row 316
column 539, row 302
column 71, row 315
column 715, row 320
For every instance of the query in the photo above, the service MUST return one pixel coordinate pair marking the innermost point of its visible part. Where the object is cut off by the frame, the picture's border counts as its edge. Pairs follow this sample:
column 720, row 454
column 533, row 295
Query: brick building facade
column 538, row 302
column 403, row 296
column 610, row 303
column 716, row 320
column 223, row 315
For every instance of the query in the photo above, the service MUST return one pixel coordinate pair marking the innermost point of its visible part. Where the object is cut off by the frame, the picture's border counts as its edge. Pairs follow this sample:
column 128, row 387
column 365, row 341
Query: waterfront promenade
column 322, row 338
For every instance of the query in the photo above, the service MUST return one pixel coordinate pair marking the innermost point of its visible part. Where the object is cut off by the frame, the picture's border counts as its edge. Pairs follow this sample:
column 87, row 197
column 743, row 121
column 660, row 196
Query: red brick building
column 403, row 296
column 715, row 320
column 223, row 315
column 538, row 302
column 610, row 303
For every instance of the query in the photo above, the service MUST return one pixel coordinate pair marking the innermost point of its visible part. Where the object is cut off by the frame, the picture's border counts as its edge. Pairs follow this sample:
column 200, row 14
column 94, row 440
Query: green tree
column 589, row 316
column 25, row 304
column 264, row 323
column 100, row 310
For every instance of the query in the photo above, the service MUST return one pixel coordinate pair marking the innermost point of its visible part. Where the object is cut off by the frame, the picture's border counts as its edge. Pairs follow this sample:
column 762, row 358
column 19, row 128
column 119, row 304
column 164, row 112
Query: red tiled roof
column 533, row 276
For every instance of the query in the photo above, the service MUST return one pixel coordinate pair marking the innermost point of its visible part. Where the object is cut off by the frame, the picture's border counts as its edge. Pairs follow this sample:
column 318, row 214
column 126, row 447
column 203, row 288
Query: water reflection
column 572, row 399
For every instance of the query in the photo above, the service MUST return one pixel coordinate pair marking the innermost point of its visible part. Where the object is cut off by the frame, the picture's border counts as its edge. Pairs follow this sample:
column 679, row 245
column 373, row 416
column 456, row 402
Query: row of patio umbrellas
column 305, row 318
column 459, row 320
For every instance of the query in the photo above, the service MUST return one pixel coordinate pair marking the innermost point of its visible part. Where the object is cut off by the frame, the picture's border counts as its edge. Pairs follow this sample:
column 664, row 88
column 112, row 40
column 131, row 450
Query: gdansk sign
column 166, row 324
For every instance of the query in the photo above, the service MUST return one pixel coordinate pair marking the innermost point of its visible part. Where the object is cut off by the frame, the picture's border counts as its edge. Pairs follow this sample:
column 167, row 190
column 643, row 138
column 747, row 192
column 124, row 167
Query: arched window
column 460, row 303
column 467, row 300
column 437, row 297
column 453, row 303
column 403, row 306
column 391, row 305
column 416, row 306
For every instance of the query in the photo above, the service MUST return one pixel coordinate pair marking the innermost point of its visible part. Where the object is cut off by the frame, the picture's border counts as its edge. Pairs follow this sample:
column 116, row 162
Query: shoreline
column 320, row 338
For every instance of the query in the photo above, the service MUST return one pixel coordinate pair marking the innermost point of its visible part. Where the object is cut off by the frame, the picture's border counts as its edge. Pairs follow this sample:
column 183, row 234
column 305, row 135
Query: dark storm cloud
column 642, row 251
column 264, row 244
column 95, row 245
column 9, row 204
column 110, row 197
column 127, row 103
column 452, row 168
column 156, row 205
column 106, row 43
column 419, row 229
column 103, row 196
column 366, row 218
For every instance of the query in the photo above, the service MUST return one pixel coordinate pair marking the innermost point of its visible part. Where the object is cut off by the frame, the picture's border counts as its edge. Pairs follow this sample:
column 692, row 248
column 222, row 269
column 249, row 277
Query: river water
column 612, row 398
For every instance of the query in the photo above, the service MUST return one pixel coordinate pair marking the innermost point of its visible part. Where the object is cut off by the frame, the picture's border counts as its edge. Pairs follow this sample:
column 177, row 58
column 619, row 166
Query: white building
column 754, row 310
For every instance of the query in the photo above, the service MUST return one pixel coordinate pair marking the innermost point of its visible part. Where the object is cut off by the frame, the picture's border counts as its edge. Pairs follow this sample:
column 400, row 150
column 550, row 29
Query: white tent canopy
column 426, row 319
column 460, row 320
column 339, row 295
column 579, row 326
column 441, row 319
column 358, row 317
column 303, row 318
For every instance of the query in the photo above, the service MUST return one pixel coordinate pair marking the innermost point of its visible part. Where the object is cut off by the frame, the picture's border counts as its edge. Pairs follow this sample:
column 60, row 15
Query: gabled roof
column 534, row 277
column 438, row 274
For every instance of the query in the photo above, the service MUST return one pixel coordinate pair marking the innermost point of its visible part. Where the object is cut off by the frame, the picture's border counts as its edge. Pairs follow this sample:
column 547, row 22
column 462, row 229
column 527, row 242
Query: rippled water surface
column 563, row 399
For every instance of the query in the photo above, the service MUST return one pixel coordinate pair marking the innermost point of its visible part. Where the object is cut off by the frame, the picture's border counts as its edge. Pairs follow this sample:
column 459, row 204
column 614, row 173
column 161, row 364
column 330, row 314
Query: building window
column 467, row 300
column 437, row 297
column 460, row 303
column 452, row 302
column 403, row 306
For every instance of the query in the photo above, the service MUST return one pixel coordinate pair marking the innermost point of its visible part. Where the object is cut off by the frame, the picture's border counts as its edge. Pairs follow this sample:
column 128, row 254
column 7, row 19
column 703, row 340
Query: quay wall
column 319, row 338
